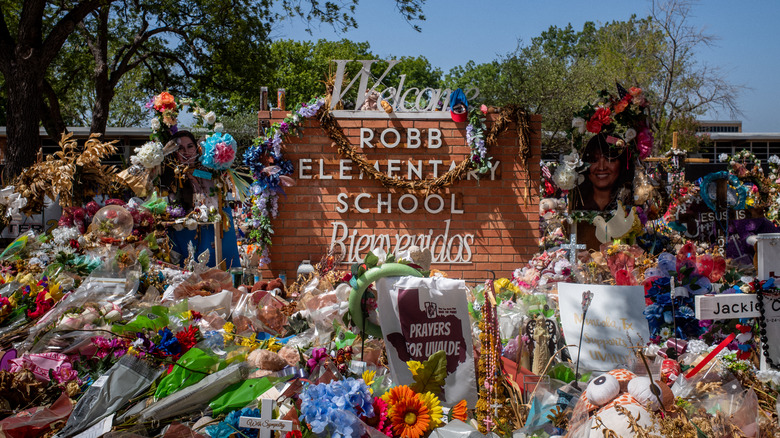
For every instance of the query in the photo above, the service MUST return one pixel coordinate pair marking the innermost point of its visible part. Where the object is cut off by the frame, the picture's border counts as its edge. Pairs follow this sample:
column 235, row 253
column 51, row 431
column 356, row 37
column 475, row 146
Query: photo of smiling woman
column 608, row 179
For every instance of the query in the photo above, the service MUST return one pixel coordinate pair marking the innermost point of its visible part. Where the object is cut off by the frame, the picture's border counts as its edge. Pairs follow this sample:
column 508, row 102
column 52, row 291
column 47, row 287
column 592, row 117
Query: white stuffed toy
column 624, row 389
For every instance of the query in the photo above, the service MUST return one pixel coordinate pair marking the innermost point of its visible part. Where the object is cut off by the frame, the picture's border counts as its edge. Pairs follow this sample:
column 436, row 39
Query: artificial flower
column 410, row 417
column 155, row 124
column 164, row 101
column 565, row 178
column 379, row 420
column 414, row 367
column 434, row 409
column 219, row 151
column 579, row 124
column 598, row 120
column 572, row 161
column 622, row 104
column 368, row 378
column 396, row 393
column 210, row 118
column 187, row 337
column 149, row 155
column 644, row 143
column 460, row 411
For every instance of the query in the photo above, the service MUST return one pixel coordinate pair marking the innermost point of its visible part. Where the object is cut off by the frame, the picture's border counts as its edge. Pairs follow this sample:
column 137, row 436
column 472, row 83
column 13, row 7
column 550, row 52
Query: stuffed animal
column 371, row 101
column 549, row 206
column 276, row 286
column 621, row 390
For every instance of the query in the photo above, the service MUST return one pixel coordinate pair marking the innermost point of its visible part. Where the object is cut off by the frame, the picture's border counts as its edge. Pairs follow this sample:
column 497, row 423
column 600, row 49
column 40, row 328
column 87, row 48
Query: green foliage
column 431, row 375
column 561, row 70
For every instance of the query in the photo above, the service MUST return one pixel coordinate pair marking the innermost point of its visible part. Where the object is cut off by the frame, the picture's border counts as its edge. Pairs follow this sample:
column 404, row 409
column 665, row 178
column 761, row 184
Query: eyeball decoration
column 603, row 389
column 642, row 390
column 219, row 151
column 612, row 389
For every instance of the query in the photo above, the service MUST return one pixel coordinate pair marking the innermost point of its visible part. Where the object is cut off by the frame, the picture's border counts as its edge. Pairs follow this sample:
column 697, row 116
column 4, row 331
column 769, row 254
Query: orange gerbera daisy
column 460, row 411
column 395, row 394
column 410, row 417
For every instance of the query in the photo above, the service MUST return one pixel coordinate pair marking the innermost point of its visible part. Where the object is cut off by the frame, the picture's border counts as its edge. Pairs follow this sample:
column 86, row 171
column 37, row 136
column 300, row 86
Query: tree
column 34, row 32
column 686, row 87
column 562, row 69
column 554, row 75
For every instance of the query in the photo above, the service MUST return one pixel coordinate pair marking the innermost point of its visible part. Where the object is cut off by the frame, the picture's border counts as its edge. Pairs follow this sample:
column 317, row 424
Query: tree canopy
column 561, row 70
column 60, row 61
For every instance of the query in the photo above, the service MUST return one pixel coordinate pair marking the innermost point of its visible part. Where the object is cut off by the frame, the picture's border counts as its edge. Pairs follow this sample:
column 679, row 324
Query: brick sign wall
column 471, row 226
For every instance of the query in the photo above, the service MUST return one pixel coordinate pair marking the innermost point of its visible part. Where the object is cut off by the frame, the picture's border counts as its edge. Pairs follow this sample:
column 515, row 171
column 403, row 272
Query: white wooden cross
column 573, row 247
column 265, row 423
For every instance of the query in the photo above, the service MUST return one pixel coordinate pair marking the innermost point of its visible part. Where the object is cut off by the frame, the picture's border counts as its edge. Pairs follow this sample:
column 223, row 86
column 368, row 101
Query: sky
column 747, row 49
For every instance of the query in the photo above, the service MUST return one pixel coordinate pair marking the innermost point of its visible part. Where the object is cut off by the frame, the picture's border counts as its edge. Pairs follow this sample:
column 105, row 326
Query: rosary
column 762, row 325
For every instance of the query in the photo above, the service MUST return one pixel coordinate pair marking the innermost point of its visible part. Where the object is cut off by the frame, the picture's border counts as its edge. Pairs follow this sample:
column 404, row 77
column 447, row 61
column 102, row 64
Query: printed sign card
column 420, row 316
column 614, row 324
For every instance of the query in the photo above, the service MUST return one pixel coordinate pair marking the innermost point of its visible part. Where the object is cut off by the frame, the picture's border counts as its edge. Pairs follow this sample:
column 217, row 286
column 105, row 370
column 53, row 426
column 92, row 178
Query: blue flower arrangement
column 670, row 312
column 475, row 137
column 334, row 407
column 219, row 151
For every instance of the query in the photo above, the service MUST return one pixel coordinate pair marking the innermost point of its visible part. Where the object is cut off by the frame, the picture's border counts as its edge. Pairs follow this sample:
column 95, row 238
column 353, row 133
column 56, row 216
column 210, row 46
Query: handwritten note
column 613, row 326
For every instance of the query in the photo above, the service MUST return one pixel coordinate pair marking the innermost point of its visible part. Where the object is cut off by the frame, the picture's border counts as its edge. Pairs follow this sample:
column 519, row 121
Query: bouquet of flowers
column 149, row 155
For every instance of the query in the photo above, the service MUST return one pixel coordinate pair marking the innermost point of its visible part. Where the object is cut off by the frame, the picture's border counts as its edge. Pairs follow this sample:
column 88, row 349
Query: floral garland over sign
column 270, row 171
column 478, row 143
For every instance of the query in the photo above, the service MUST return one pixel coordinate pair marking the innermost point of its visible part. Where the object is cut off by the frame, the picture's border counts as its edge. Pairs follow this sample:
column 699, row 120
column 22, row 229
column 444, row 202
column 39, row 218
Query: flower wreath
column 738, row 160
column 623, row 118
column 736, row 189
column 270, row 171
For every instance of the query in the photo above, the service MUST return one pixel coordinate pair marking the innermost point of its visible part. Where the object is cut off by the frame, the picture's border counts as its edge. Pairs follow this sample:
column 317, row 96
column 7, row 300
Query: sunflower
column 434, row 408
column 460, row 411
column 410, row 417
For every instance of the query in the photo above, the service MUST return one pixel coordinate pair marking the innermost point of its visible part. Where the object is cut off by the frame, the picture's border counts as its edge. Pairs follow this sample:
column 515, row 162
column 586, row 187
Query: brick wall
column 501, row 214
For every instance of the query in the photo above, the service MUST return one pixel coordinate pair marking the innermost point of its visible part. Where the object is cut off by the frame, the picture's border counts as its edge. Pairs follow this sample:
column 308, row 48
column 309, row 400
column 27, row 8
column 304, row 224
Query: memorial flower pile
column 96, row 324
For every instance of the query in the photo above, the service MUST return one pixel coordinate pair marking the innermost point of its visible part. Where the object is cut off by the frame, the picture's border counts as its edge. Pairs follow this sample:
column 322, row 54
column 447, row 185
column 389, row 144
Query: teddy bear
column 609, row 396
column 371, row 101
column 548, row 207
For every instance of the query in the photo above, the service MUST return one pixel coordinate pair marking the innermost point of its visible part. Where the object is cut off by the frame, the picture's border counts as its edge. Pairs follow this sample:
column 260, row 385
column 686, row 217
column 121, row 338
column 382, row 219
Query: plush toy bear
column 371, row 101
column 549, row 206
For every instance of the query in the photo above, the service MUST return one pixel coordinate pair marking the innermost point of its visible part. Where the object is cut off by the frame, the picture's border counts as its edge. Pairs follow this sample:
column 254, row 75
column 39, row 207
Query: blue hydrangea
column 333, row 407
